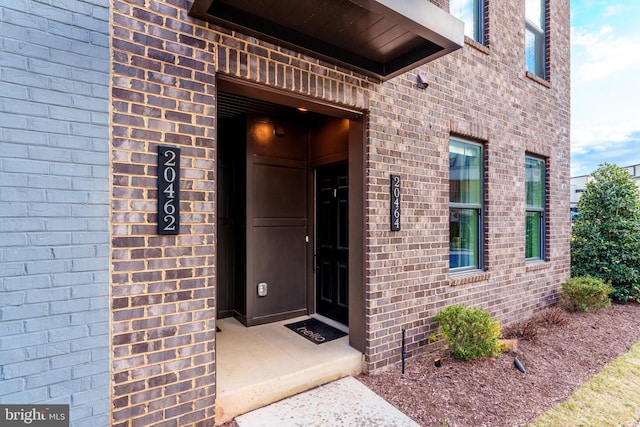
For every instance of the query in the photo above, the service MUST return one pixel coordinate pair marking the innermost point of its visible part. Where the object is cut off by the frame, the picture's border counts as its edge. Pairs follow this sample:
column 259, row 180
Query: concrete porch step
column 263, row 364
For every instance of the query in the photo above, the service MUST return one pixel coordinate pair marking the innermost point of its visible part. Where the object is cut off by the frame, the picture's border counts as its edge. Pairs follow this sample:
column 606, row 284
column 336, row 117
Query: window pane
column 534, row 51
column 534, row 182
column 534, row 11
column 533, row 247
column 530, row 50
column 463, row 238
column 535, row 60
column 465, row 173
column 469, row 12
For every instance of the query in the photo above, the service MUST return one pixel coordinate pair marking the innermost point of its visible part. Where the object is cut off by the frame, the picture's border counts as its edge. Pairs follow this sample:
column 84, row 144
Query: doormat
column 316, row 331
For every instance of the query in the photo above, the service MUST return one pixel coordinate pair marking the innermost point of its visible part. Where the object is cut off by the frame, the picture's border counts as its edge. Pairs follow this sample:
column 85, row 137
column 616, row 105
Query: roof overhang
column 380, row 38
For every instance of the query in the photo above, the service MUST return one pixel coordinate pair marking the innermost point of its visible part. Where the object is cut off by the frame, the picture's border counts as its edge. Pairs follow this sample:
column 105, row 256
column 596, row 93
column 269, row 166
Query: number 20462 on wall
column 168, row 190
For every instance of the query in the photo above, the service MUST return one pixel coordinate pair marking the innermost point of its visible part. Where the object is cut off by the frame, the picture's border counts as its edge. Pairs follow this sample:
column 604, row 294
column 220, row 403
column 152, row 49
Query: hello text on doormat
column 315, row 331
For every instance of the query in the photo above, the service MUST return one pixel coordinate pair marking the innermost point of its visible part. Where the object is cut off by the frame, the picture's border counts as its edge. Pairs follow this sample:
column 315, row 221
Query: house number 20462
column 395, row 202
column 168, row 190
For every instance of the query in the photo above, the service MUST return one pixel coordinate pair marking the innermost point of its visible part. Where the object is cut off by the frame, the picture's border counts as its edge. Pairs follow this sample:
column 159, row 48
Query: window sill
column 476, row 45
column 538, row 79
column 465, row 277
column 537, row 265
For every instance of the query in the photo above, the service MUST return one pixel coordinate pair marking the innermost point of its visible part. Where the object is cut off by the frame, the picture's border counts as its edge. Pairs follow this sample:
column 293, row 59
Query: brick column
column 163, row 287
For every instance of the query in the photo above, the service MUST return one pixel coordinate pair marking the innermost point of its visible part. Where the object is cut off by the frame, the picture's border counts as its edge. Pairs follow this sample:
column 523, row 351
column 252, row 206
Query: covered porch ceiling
column 379, row 38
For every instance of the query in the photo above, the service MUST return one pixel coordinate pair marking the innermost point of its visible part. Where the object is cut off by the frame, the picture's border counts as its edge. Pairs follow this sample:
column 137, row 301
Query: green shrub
column 586, row 294
column 470, row 332
column 605, row 237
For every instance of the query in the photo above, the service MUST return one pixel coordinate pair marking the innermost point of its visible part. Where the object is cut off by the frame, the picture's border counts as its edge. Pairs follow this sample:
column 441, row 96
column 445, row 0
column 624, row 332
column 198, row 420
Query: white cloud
column 622, row 153
column 605, row 65
column 598, row 138
column 612, row 10
column 602, row 54
column 605, row 112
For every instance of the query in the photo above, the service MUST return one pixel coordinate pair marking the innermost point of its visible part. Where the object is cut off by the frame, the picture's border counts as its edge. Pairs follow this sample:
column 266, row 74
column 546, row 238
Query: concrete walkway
column 263, row 364
column 345, row 402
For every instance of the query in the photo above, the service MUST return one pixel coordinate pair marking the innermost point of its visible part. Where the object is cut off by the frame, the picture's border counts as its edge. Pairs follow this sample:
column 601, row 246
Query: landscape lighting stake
column 519, row 365
column 403, row 350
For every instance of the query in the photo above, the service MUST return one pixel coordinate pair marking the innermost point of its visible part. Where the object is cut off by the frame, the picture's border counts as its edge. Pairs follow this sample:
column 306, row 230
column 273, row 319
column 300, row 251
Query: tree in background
column 605, row 239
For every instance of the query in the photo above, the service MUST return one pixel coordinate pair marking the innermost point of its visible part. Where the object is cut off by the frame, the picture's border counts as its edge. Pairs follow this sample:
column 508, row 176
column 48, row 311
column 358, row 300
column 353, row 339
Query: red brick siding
column 164, row 66
column 163, row 287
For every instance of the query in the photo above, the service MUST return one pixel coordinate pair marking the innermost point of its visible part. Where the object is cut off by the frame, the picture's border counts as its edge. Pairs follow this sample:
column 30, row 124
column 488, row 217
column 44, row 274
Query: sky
column 605, row 84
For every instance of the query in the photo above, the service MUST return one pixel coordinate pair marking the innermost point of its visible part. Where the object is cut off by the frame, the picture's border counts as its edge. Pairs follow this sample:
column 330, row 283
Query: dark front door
column 332, row 247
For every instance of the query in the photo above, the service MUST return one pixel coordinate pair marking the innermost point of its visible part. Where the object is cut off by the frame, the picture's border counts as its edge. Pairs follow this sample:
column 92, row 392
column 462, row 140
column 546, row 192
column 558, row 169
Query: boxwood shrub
column 586, row 294
column 470, row 332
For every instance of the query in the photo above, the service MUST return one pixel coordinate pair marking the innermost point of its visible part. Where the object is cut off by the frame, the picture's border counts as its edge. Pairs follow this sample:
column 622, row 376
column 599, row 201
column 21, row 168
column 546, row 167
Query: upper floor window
column 471, row 12
column 465, row 205
column 535, row 37
column 535, row 188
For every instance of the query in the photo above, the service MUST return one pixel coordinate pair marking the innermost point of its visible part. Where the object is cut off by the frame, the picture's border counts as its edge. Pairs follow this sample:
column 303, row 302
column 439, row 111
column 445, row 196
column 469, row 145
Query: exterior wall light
column 422, row 82
column 278, row 130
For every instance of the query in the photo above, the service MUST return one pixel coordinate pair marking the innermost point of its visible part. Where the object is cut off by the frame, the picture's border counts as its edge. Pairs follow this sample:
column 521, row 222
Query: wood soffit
column 379, row 38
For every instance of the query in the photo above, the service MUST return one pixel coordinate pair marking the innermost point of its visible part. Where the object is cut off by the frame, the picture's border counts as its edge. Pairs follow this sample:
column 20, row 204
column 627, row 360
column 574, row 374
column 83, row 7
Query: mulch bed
column 558, row 358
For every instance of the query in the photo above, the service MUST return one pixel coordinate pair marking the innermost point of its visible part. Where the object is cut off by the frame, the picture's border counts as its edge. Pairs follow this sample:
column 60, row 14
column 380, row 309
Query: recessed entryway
column 290, row 209
column 284, row 209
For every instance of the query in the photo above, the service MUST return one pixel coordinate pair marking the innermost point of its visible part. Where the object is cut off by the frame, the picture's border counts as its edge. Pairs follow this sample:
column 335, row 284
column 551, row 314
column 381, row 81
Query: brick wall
column 54, row 183
column 164, row 92
column 162, row 286
column 481, row 93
